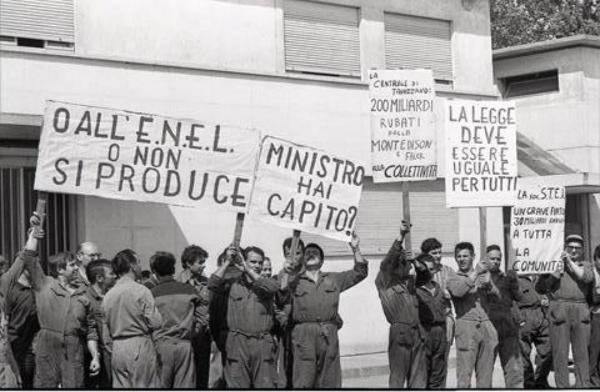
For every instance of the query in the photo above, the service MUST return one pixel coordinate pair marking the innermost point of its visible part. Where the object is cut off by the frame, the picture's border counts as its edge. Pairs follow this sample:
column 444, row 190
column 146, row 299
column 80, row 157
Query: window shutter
column 380, row 215
column 49, row 20
column 416, row 42
column 321, row 38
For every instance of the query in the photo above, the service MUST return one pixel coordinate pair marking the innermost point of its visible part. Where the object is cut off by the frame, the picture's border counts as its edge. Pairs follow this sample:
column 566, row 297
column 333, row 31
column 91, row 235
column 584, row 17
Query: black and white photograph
column 299, row 194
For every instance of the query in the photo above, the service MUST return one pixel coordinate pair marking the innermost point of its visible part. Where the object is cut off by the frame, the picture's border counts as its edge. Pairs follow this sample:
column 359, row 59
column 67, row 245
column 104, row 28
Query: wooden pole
column 482, row 231
column 406, row 213
column 239, row 227
column 295, row 241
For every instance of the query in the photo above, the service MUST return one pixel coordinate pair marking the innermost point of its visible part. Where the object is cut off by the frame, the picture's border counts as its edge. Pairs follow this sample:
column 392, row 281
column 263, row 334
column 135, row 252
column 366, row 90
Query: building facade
column 556, row 87
column 292, row 69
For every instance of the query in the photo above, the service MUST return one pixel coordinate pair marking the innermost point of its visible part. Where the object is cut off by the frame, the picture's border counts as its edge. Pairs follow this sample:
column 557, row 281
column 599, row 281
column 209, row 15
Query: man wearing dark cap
column 314, row 297
column 568, row 290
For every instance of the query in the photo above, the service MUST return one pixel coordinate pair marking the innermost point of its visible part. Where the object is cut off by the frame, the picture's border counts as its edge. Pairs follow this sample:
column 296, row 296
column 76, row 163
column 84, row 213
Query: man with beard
column 131, row 318
column 66, row 322
column 250, row 348
column 503, row 294
column 476, row 337
column 101, row 278
column 315, row 321
column 193, row 261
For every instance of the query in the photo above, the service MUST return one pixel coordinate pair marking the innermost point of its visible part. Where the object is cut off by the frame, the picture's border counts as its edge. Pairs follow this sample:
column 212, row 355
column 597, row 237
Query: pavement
column 371, row 371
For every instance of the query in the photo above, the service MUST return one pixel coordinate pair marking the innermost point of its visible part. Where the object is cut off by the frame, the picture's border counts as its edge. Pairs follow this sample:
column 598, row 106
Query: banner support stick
column 239, row 227
column 482, row 231
column 406, row 213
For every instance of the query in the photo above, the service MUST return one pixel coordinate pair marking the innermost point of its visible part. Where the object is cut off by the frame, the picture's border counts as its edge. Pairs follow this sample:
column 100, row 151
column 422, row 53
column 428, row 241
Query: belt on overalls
column 322, row 325
column 255, row 335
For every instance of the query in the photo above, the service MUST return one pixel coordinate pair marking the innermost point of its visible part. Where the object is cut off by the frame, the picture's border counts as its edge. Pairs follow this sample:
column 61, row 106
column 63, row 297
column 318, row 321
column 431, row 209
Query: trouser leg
column 559, row 337
column 329, row 373
column 264, row 372
column 305, row 338
column 466, row 355
column 25, row 361
column 178, row 368
column 399, row 354
column 528, row 371
column 595, row 351
column 580, row 340
column 236, row 371
column 437, row 366
column 202, row 350
column 135, row 363
column 488, row 342
column 512, row 365
column 543, row 347
column 417, row 377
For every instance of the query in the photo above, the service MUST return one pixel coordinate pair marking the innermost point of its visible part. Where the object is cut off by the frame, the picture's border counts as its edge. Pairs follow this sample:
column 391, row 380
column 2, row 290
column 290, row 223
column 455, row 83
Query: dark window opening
column 530, row 84
column 32, row 43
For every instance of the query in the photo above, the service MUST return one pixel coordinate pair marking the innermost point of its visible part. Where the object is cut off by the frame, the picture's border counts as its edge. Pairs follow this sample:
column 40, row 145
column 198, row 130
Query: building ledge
column 442, row 90
column 589, row 41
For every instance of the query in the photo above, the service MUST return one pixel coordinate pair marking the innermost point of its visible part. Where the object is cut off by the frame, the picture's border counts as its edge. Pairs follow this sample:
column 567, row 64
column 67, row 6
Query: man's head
column 597, row 257
column 267, row 268
column 146, row 276
column 428, row 261
column 494, row 257
column 63, row 265
column 254, row 258
column 313, row 256
column 433, row 247
column 163, row 264
column 464, row 253
column 287, row 245
column 100, row 272
column 574, row 247
column 86, row 252
column 194, row 259
column 126, row 261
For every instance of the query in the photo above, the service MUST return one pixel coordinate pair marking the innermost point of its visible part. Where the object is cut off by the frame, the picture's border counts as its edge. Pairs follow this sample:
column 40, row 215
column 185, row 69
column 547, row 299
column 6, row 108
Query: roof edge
column 591, row 41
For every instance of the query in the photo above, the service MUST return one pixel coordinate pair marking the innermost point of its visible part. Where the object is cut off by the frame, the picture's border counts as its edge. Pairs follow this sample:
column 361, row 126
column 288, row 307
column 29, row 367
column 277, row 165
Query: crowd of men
column 89, row 322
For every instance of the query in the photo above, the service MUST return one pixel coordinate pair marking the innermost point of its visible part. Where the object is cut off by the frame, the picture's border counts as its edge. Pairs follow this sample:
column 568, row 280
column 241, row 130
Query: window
column 380, row 214
column 37, row 23
column 321, row 38
column 530, row 84
column 17, row 203
column 416, row 42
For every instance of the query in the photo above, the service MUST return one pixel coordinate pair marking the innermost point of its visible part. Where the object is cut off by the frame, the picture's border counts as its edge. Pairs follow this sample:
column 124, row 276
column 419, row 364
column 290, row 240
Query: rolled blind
column 321, row 38
column 37, row 19
column 416, row 42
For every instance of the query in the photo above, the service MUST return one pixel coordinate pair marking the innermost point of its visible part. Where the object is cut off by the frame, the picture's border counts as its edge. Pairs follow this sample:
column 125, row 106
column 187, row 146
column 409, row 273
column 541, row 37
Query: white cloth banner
column 125, row 155
column 402, row 125
column 481, row 153
column 537, row 228
column 302, row 188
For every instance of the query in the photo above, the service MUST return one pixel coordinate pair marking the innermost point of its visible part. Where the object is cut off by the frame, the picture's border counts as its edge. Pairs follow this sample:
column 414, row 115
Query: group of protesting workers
column 90, row 322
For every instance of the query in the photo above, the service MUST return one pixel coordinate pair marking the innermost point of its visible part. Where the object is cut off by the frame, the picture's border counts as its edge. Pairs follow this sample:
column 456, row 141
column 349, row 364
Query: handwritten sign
column 481, row 154
column 300, row 187
column 135, row 156
column 402, row 125
column 537, row 228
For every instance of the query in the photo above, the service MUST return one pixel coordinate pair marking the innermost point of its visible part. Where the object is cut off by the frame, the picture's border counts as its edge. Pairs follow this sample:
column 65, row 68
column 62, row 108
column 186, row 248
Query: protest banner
column 402, row 125
column 302, row 188
column 125, row 155
column 537, row 228
column 481, row 154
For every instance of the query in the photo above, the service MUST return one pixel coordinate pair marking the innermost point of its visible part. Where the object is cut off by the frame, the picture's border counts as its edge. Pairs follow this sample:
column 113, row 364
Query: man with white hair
column 86, row 252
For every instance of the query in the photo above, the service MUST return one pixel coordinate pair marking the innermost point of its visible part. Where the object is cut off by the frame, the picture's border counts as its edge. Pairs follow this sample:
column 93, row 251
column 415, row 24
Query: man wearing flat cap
column 569, row 313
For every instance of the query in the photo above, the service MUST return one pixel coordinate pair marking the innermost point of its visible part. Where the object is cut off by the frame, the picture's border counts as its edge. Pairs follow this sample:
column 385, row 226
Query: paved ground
column 371, row 371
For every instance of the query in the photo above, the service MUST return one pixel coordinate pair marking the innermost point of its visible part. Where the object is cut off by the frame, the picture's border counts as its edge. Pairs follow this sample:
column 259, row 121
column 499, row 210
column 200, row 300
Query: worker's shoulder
column 173, row 287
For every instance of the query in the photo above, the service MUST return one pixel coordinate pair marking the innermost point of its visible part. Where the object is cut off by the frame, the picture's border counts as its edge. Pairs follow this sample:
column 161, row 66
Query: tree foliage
column 516, row 22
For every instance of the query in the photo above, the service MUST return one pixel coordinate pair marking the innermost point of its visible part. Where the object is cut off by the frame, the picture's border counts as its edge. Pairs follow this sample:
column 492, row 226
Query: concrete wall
column 567, row 122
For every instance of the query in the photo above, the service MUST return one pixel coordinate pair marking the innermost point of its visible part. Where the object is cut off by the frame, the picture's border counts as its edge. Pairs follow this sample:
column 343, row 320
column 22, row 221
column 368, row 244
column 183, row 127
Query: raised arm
column 359, row 272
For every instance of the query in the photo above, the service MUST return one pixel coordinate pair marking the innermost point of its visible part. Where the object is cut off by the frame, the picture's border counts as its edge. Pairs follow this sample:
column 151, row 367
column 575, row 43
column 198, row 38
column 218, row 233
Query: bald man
column 86, row 252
